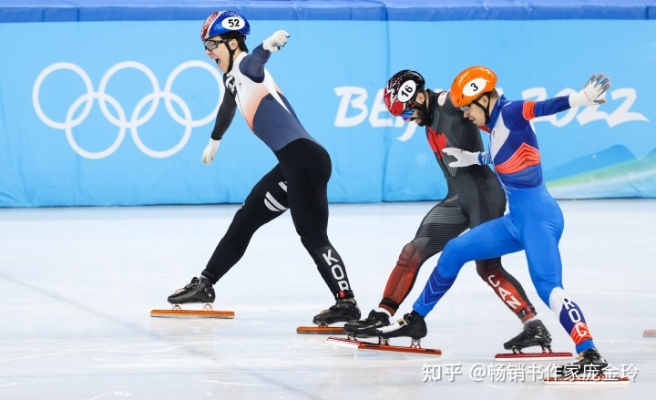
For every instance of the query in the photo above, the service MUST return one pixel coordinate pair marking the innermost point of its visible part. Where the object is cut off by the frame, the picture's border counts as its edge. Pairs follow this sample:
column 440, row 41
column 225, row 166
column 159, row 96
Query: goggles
column 408, row 114
column 213, row 44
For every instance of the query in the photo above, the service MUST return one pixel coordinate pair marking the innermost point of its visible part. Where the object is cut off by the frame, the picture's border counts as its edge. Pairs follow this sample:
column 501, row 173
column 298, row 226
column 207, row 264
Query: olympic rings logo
column 74, row 118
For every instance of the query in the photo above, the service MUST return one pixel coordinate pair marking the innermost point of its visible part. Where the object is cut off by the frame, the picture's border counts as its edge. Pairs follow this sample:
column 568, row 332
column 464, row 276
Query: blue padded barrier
column 357, row 10
column 112, row 102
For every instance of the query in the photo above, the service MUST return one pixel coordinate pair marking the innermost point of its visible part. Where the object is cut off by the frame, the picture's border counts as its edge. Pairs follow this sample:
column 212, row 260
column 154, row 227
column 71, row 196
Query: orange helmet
column 470, row 84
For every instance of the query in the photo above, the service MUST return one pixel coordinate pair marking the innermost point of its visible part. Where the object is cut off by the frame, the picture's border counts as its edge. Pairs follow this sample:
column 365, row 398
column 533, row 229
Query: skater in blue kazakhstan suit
column 534, row 222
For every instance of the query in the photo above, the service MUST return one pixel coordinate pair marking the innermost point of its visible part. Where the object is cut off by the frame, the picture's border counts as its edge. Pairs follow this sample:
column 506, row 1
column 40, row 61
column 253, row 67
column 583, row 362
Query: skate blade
column 544, row 355
column 358, row 344
column 650, row 333
column 345, row 342
column 320, row 330
column 587, row 380
column 192, row 314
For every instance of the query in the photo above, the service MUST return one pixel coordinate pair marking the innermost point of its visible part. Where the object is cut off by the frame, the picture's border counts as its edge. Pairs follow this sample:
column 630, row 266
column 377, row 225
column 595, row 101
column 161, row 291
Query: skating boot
column 411, row 325
column 590, row 364
column 533, row 334
column 344, row 310
column 369, row 326
column 196, row 291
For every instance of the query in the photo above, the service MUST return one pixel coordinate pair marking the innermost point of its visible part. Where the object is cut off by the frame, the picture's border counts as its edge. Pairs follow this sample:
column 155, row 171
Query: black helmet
column 401, row 91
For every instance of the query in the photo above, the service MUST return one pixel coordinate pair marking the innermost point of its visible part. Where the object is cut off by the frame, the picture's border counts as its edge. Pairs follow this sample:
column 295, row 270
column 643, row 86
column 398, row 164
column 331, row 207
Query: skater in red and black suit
column 298, row 182
column 474, row 196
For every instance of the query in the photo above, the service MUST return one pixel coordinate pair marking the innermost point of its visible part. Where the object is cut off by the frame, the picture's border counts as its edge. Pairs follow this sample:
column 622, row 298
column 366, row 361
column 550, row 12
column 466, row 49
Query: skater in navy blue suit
column 298, row 182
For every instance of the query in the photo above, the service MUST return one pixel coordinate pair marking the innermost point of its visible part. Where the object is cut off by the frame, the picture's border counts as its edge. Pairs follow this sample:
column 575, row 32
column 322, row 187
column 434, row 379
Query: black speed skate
column 533, row 334
column 411, row 325
column 344, row 310
column 196, row 291
column 367, row 327
column 590, row 364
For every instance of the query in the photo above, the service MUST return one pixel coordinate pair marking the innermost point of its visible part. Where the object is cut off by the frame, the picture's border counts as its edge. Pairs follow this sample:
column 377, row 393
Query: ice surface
column 78, row 285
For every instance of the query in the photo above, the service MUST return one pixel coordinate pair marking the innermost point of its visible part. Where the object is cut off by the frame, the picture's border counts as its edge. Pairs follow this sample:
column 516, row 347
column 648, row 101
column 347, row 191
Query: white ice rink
column 78, row 285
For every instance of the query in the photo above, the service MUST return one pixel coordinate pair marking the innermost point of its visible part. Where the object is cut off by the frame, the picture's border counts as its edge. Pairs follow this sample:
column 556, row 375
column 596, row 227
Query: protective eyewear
column 468, row 106
column 213, row 44
column 408, row 114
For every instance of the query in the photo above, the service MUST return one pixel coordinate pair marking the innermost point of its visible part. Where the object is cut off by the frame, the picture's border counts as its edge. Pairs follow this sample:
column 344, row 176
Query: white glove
column 210, row 151
column 274, row 42
column 463, row 158
column 591, row 93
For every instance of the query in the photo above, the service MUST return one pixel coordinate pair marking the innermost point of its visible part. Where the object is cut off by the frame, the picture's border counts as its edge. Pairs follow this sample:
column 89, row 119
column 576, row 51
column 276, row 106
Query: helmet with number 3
column 401, row 91
column 222, row 22
column 470, row 84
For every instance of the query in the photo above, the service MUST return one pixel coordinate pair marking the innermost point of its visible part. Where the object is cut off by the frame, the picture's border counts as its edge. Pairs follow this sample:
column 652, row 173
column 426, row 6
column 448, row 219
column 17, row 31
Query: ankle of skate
column 411, row 325
column 196, row 291
column 534, row 333
column 590, row 364
column 369, row 326
column 344, row 310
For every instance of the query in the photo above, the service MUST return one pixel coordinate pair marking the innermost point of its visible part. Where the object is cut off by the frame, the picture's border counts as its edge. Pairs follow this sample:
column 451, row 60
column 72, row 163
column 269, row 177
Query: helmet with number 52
column 222, row 22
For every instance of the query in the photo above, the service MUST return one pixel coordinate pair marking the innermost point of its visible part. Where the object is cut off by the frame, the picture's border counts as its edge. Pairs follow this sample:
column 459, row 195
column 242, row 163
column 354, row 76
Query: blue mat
column 393, row 10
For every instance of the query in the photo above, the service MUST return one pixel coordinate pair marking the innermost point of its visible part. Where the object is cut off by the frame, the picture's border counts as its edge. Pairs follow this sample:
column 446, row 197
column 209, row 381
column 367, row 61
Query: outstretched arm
column 590, row 95
column 253, row 65
column 466, row 158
